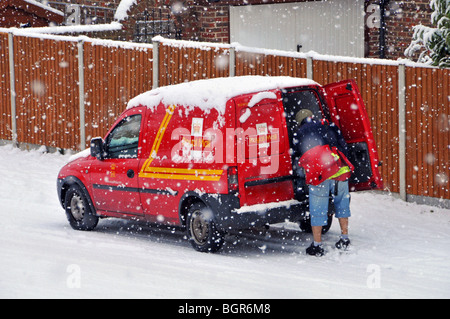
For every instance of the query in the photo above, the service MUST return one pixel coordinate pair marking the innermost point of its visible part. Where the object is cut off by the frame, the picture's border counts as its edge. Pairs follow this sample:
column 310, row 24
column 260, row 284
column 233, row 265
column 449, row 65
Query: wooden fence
column 66, row 90
column 62, row 91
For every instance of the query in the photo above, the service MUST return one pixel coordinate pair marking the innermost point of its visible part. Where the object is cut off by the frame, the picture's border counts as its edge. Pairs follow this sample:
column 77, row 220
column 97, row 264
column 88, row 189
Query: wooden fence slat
column 5, row 93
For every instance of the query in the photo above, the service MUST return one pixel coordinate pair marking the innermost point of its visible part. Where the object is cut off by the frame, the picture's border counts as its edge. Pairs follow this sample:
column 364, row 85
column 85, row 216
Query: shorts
column 319, row 197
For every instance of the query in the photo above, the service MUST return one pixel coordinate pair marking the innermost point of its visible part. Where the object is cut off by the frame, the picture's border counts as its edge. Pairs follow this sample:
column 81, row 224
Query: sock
column 344, row 237
column 317, row 243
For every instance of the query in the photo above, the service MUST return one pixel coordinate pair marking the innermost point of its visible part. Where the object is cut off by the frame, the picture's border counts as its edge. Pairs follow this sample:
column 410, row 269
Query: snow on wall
column 122, row 10
column 49, row 33
column 77, row 28
column 43, row 6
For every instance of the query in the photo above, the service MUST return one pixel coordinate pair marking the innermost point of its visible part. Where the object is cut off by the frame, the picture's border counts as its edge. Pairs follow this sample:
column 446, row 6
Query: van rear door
column 348, row 111
column 263, row 160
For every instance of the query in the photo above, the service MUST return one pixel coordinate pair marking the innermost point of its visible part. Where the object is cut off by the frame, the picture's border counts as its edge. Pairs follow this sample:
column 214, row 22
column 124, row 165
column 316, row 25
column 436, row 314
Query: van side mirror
column 349, row 87
column 97, row 148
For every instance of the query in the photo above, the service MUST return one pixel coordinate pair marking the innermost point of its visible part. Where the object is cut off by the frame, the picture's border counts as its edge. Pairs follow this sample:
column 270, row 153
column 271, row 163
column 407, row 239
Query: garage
column 334, row 27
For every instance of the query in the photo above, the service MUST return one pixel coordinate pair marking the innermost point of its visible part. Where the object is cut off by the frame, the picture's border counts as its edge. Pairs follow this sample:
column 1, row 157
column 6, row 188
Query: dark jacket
column 320, row 152
column 313, row 133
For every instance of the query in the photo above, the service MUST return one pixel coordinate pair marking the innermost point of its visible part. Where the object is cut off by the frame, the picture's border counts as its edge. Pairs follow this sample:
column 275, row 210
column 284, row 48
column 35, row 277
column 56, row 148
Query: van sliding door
column 263, row 158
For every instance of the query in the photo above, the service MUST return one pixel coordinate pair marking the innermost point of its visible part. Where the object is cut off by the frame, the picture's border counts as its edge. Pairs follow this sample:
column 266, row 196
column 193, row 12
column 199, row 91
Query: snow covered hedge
column 434, row 42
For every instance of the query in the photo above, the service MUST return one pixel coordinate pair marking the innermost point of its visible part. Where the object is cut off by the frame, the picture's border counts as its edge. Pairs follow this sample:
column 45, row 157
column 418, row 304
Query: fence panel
column 427, row 131
column 379, row 89
column 5, row 95
column 179, row 64
column 113, row 75
column 46, row 77
column 249, row 63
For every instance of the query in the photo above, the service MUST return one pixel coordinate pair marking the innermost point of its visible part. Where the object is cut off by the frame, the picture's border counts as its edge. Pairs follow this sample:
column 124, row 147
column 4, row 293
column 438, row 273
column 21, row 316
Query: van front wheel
column 78, row 211
column 202, row 232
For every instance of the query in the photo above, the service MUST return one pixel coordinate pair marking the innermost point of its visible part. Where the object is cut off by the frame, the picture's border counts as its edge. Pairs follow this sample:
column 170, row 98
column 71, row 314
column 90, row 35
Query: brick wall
column 194, row 21
column 214, row 23
column 400, row 18
column 92, row 11
column 11, row 17
column 201, row 20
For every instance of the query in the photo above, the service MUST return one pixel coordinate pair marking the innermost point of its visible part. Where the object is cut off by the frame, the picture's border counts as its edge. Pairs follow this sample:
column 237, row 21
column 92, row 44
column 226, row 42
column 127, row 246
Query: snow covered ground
column 400, row 250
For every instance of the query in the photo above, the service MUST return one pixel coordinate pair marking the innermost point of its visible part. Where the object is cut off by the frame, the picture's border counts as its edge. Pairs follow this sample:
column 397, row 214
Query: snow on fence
column 408, row 103
column 66, row 90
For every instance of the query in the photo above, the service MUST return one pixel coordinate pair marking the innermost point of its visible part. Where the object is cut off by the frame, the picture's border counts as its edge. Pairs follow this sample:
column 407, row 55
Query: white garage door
column 333, row 27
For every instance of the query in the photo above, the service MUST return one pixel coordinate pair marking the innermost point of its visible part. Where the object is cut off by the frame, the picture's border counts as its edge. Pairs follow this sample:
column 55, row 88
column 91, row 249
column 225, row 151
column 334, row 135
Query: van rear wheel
column 305, row 224
column 202, row 231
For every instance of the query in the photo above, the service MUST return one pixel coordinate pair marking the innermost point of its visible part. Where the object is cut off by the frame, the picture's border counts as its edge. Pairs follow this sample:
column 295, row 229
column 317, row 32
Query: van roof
column 214, row 93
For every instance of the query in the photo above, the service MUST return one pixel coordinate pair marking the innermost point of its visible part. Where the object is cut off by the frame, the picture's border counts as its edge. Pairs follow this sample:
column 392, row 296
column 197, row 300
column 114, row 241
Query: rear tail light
column 233, row 185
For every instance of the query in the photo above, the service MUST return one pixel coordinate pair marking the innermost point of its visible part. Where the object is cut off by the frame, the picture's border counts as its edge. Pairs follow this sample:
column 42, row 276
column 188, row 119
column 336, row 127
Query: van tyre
column 78, row 210
column 202, row 231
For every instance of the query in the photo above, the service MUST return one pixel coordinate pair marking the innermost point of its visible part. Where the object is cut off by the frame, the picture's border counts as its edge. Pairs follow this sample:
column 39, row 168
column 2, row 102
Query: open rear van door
column 348, row 111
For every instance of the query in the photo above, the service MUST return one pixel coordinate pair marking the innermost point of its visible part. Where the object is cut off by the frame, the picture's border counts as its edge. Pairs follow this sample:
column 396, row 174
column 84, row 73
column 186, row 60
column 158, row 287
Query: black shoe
column 315, row 250
column 343, row 244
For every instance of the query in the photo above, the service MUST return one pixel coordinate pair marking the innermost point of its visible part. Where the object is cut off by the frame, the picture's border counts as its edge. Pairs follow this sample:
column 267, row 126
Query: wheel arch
column 187, row 200
column 69, row 181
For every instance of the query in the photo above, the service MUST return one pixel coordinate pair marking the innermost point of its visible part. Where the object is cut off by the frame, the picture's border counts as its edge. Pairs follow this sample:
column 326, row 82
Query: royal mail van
column 213, row 156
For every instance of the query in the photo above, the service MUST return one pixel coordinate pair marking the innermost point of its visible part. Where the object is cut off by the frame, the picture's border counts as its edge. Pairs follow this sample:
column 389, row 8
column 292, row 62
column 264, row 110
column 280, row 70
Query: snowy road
column 400, row 250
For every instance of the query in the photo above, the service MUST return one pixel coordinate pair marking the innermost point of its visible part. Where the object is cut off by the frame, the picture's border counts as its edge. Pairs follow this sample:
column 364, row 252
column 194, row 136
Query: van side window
column 123, row 141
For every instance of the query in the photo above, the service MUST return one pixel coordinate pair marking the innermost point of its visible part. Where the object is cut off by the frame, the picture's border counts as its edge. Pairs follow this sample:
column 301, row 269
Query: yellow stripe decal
column 185, row 171
column 174, row 173
column 209, row 178
column 182, row 173
column 157, row 143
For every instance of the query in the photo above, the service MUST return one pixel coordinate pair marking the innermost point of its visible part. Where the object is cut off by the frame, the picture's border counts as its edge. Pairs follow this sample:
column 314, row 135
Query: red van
column 213, row 156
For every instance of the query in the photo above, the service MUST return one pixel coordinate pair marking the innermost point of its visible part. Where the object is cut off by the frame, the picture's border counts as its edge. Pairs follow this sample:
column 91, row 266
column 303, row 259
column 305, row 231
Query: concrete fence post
column 80, row 45
column 232, row 63
column 155, row 63
column 402, row 129
column 309, row 68
column 12, row 84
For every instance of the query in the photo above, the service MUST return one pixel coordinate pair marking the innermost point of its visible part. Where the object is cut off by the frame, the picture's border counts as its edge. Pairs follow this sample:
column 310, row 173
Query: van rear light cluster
column 233, row 185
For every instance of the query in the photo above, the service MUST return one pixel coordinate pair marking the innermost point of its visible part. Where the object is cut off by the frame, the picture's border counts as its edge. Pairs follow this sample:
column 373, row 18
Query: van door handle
column 130, row 173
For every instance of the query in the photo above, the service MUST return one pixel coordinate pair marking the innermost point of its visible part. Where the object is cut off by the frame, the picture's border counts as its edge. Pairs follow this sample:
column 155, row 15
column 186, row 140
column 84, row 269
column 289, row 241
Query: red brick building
column 27, row 13
column 362, row 28
column 399, row 19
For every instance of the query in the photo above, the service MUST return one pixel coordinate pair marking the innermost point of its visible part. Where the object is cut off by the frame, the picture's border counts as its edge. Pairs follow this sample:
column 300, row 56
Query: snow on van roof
column 214, row 93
